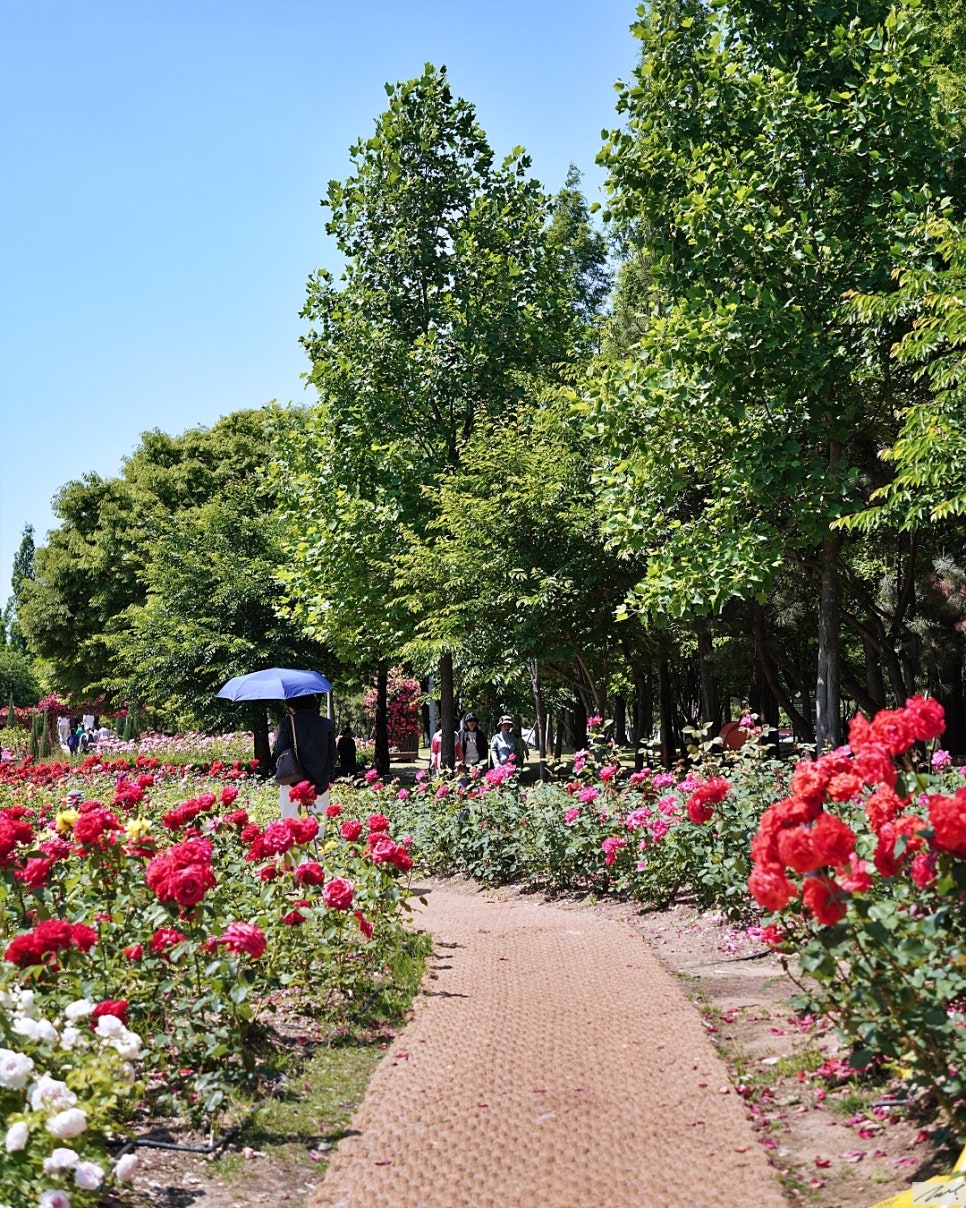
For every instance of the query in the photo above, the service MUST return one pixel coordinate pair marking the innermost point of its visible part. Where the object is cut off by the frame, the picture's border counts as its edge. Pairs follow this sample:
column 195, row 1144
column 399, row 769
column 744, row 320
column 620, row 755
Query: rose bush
column 863, row 868
column 181, row 894
column 65, row 1082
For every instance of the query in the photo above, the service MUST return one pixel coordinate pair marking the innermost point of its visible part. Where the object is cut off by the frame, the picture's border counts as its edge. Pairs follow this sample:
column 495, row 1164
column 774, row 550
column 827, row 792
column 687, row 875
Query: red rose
column 250, row 833
column 874, row 765
column 859, row 733
column 822, row 898
column 303, row 793
column 923, row 869
column 883, row 806
column 796, row 850
column 770, row 887
column 277, row 838
column 832, row 840
column 293, row 918
column 893, row 729
column 228, row 794
column 926, row 716
column 381, row 848
column 244, row 937
column 338, row 894
column 843, row 786
column 948, row 818
column 854, row 879
column 188, row 885
column 37, row 872
column 698, row 809
column 82, row 936
column 303, row 830
column 117, row 1008
column 237, row 818
column 310, row 872
column 364, row 925
column 333, row 811
column 164, row 939
column 351, row 830
column 134, row 952
column 377, row 822
column 809, row 782
column 268, row 872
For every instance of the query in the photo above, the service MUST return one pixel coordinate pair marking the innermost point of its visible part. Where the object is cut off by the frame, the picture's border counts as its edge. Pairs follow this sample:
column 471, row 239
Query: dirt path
column 551, row 1063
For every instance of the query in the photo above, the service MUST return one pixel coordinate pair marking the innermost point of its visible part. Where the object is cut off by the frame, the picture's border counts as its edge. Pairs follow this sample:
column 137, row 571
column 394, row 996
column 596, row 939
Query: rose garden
column 671, row 499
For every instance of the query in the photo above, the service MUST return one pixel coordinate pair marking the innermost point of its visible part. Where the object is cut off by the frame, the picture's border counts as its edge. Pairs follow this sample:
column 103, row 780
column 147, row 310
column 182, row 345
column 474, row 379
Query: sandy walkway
column 552, row 1063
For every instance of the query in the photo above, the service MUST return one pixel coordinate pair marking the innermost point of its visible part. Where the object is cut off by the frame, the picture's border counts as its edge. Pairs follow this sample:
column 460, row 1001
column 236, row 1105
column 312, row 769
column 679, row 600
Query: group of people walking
column 471, row 745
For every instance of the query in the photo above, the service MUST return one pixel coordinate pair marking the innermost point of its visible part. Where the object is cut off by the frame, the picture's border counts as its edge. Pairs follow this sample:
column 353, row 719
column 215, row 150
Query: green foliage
column 771, row 159
column 929, row 451
column 18, row 681
column 95, row 564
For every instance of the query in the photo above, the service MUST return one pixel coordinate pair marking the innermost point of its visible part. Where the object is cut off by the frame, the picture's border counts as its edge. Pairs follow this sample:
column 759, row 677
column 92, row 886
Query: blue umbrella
column 277, row 683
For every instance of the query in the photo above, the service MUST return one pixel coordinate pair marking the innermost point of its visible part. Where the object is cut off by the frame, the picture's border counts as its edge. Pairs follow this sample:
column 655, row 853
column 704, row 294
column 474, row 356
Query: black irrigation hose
column 226, row 1136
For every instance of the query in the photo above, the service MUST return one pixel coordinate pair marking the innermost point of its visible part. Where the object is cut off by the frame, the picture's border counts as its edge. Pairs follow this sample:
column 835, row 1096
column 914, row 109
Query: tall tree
column 92, row 568
column 771, row 158
column 22, row 573
column 452, row 291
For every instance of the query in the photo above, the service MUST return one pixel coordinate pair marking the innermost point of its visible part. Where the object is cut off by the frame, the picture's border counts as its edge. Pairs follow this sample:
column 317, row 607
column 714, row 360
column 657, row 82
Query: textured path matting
column 550, row 1063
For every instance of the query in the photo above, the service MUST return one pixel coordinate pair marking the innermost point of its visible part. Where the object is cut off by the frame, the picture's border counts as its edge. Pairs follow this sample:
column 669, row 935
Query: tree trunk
column 954, row 702
column 666, row 707
column 710, row 709
column 874, row 683
column 447, row 715
column 558, row 737
column 538, row 712
column 620, row 721
column 828, row 726
column 580, row 723
column 263, row 750
column 381, row 758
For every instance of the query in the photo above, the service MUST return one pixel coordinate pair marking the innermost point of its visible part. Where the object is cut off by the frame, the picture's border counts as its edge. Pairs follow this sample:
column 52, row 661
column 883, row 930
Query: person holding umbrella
column 312, row 738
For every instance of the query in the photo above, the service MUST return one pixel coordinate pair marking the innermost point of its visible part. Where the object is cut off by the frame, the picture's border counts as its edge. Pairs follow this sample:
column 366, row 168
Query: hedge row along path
column 550, row 1063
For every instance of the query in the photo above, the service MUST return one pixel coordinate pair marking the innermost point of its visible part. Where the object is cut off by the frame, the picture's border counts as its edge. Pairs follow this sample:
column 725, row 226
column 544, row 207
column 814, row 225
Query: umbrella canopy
column 277, row 683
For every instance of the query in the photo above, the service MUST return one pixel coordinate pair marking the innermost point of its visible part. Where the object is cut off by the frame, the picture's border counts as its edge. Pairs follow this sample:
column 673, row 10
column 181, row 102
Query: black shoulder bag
column 288, row 770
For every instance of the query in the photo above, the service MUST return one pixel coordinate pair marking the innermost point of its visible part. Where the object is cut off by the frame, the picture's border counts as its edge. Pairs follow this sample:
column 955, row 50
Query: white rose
column 79, row 1008
column 17, row 1136
column 60, row 1161
column 69, row 1037
column 48, row 1092
column 25, row 1002
column 126, row 1073
column 6, row 1000
column 14, row 1069
column 54, row 1199
column 125, row 1168
column 67, row 1124
column 24, row 1026
column 128, row 1044
column 88, row 1176
column 46, row 1031
column 109, row 1025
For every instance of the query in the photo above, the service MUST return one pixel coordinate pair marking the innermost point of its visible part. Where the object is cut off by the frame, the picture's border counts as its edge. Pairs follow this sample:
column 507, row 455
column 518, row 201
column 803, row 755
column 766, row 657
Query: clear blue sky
column 163, row 166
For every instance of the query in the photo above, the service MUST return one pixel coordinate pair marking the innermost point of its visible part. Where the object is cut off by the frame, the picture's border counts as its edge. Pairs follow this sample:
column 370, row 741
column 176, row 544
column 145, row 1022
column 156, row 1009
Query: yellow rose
column 65, row 820
column 330, row 846
column 138, row 827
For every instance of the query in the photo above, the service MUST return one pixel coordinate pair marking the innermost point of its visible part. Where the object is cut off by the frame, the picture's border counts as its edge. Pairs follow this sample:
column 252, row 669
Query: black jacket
column 481, row 745
column 315, row 745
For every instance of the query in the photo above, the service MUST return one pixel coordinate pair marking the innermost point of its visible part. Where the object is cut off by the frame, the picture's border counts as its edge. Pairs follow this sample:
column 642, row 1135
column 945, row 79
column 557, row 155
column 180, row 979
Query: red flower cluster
column 279, row 837
column 47, row 938
column 303, row 793
column 96, row 827
column 12, row 831
column 699, row 804
column 799, row 834
column 183, row 873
